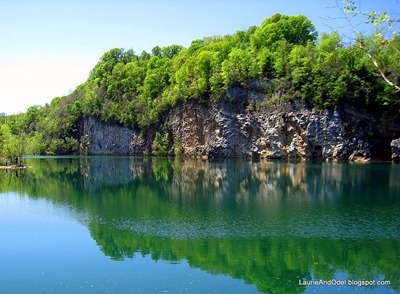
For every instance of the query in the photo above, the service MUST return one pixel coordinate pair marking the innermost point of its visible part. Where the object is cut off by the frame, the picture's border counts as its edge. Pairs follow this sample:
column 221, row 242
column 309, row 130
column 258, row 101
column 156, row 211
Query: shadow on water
column 268, row 223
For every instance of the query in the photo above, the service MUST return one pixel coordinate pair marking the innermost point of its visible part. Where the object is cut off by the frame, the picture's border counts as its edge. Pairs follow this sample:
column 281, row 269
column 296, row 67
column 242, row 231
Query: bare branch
column 381, row 72
column 350, row 11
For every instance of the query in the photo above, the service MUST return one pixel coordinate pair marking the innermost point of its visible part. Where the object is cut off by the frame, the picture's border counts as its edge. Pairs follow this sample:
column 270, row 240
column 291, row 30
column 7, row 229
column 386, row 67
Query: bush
column 161, row 145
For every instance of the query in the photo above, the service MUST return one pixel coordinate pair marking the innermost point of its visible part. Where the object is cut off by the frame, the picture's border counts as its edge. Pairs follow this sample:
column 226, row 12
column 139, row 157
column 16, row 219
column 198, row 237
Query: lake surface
column 156, row 225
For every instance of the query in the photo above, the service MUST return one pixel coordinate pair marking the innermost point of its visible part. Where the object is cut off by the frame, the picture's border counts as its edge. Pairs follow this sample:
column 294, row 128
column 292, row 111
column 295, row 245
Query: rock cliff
column 395, row 144
column 101, row 139
column 245, row 124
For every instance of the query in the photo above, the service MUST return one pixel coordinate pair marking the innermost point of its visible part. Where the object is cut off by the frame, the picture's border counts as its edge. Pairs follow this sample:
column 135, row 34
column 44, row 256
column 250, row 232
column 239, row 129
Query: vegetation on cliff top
column 283, row 54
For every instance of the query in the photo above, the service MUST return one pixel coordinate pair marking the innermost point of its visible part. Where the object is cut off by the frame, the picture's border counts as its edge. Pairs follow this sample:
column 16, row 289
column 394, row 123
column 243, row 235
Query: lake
column 159, row 225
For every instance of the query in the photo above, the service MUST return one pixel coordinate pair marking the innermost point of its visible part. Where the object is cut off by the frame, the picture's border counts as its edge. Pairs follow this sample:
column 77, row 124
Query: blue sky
column 48, row 47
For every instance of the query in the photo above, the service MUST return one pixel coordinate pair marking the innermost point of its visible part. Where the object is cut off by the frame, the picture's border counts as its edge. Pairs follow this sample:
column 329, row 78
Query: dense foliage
column 283, row 54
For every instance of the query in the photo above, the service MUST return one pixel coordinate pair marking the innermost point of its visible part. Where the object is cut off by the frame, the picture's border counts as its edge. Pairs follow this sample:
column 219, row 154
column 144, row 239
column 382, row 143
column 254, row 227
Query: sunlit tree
column 383, row 47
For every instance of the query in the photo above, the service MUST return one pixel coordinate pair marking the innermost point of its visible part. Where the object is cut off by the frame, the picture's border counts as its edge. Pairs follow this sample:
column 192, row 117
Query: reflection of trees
column 272, row 263
column 248, row 220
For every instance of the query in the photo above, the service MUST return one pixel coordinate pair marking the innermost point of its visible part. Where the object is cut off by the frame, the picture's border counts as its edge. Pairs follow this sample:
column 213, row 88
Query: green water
column 155, row 225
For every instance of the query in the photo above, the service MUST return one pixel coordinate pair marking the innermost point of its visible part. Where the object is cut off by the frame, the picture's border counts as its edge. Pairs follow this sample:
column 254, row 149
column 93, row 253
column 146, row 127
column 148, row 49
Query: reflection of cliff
column 268, row 223
column 273, row 183
column 99, row 172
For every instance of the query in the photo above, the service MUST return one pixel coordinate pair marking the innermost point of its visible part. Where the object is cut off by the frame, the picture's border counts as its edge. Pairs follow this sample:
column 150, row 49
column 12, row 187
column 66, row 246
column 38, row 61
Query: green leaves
column 10, row 145
column 384, row 22
column 294, row 29
column 236, row 68
column 350, row 7
column 160, row 145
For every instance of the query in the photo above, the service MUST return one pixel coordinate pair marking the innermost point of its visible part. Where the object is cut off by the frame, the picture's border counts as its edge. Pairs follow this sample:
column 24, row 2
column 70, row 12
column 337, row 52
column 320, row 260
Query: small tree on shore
column 11, row 146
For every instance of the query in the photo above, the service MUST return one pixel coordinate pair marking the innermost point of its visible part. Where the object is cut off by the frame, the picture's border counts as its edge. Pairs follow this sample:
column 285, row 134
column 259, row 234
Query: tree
column 203, row 69
column 161, row 145
column 10, row 145
column 156, row 51
column 294, row 29
column 237, row 67
column 171, row 51
column 301, row 59
column 384, row 42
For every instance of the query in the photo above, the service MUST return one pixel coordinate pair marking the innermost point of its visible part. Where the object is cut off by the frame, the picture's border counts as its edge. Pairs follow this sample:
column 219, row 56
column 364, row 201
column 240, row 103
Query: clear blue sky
column 48, row 47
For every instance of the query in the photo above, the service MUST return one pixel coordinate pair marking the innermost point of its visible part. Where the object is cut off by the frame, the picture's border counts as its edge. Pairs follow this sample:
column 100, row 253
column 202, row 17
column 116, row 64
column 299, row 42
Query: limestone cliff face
column 286, row 130
column 395, row 144
column 101, row 139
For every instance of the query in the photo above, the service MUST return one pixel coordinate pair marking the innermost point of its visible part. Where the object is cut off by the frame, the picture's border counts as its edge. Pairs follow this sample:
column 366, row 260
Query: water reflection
column 267, row 223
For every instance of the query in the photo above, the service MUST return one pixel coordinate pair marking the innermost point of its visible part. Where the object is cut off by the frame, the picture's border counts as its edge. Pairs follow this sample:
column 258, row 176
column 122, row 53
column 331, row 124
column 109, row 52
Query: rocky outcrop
column 287, row 131
column 102, row 139
column 395, row 144
column 246, row 126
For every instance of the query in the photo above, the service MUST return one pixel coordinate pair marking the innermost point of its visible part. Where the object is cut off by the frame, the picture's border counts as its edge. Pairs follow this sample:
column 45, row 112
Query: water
column 155, row 225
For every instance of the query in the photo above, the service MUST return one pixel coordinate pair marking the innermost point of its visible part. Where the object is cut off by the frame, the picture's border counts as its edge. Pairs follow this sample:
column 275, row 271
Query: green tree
column 171, row 51
column 294, row 29
column 384, row 48
column 160, row 145
column 203, row 70
column 11, row 146
column 36, row 144
column 301, row 60
column 236, row 68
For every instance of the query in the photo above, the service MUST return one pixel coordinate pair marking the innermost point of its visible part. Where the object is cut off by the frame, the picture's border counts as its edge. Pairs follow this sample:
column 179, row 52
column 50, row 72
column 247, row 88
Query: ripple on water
column 334, row 225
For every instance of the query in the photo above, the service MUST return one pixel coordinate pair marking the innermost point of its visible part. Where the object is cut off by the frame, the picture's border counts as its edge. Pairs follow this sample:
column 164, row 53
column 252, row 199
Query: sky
column 48, row 47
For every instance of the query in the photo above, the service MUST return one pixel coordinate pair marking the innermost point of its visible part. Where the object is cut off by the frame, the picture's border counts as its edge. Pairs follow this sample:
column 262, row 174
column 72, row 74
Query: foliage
column 11, row 146
column 178, row 149
column 383, row 47
column 160, row 145
column 52, row 129
column 137, row 90
column 376, row 18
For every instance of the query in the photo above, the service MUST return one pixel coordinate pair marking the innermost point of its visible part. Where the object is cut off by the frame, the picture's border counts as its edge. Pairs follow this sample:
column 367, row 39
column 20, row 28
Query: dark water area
column 159, row 225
